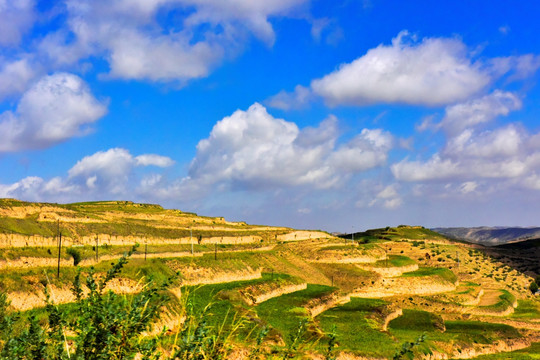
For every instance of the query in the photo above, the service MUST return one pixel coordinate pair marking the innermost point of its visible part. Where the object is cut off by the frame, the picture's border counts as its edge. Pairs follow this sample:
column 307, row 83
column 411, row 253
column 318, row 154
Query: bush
column 533, row 287
column 75, row 254
column 104, row 325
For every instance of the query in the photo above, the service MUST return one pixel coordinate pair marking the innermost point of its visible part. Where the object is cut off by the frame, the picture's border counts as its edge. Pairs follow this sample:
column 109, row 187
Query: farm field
column 274, row 293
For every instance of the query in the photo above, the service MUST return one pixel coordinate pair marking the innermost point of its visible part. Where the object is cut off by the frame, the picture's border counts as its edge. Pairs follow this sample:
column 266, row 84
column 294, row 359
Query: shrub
column 75, row 254
column 104, row 325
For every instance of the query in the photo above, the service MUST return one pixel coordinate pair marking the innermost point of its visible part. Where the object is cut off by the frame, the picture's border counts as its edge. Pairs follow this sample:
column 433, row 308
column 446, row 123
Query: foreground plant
column 103, row 325
column 100, row 325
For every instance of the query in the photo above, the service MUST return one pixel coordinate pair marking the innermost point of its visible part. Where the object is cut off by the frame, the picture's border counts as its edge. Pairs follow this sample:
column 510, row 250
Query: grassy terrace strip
column 395, row 260
column 220, row 299
column 358, row 327
column 32, row 279
column 30, row 226
column 532, row 352
column 413, row 323
column 284, row 313
column 443, row 273
column 89, row 252
column 527, row 309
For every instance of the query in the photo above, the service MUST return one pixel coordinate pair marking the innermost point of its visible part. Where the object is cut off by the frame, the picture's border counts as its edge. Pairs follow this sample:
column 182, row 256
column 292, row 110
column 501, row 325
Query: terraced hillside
column 25, row 224
column 316, row 297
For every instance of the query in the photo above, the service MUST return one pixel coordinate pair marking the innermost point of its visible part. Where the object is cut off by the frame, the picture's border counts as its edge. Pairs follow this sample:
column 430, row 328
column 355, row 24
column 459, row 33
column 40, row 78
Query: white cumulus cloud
column 153, row 159
column 136, row 45
column 105, row 174
column 15, row 76
column 16, row 17
column 479, row 111
column 111, row 170
column 300, row 98
column 435, row 71
column 56, row 108
column 252, row 149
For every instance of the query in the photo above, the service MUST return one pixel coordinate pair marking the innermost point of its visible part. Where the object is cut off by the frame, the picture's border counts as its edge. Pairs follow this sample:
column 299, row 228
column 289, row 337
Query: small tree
column 75, row 254
column 533, row 287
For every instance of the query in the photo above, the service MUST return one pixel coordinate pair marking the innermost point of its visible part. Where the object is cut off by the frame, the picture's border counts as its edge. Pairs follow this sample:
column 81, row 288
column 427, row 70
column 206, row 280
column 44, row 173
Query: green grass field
column 284, row 313
column 358, row 327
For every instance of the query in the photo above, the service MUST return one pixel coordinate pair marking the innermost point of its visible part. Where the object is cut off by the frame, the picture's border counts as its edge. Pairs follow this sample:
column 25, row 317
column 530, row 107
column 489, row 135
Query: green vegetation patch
column 395, row 261
column 527, row 309
column 284, row 313
column 414, row 323
column 358, row 327
column 443, row 273
column 480, row 331
column 532, row 352
column 418, row 320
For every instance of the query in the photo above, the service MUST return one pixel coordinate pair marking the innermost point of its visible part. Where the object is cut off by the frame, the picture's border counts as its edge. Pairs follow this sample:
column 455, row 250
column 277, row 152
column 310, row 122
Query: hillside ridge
column 490, row 236
column 124, row 222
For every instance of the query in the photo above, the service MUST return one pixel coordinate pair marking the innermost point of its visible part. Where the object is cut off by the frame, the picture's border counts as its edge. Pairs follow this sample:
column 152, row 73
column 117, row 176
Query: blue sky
column 336, row 115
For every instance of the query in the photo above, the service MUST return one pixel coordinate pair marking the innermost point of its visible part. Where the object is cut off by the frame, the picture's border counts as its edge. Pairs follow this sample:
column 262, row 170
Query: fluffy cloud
column 110, row 170
column 502, row 142
column 132, row 38
column 388, row 198
column 105, row 174
column 15, row 76
column 478, row 111
column 519, row 67
column 56, row 108
column 17, row 17
column 301, row 97
column 505, row 152
column 250, row 14
column 138, row 46
column 432, row 72
column 365, row 151
column 252, row 149
column 154, row 160
column 498, row 154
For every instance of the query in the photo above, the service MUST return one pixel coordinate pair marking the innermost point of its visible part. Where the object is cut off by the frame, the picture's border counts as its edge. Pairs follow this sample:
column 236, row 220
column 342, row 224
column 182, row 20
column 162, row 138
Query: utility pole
column 59, row 248
column 353, row 234
column 145, row 249
column 215, row 251
column 191, row 240
column 97, row 251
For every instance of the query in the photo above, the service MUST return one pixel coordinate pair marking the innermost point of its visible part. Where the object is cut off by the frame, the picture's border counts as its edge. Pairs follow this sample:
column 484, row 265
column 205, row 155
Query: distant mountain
column 490, row 236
